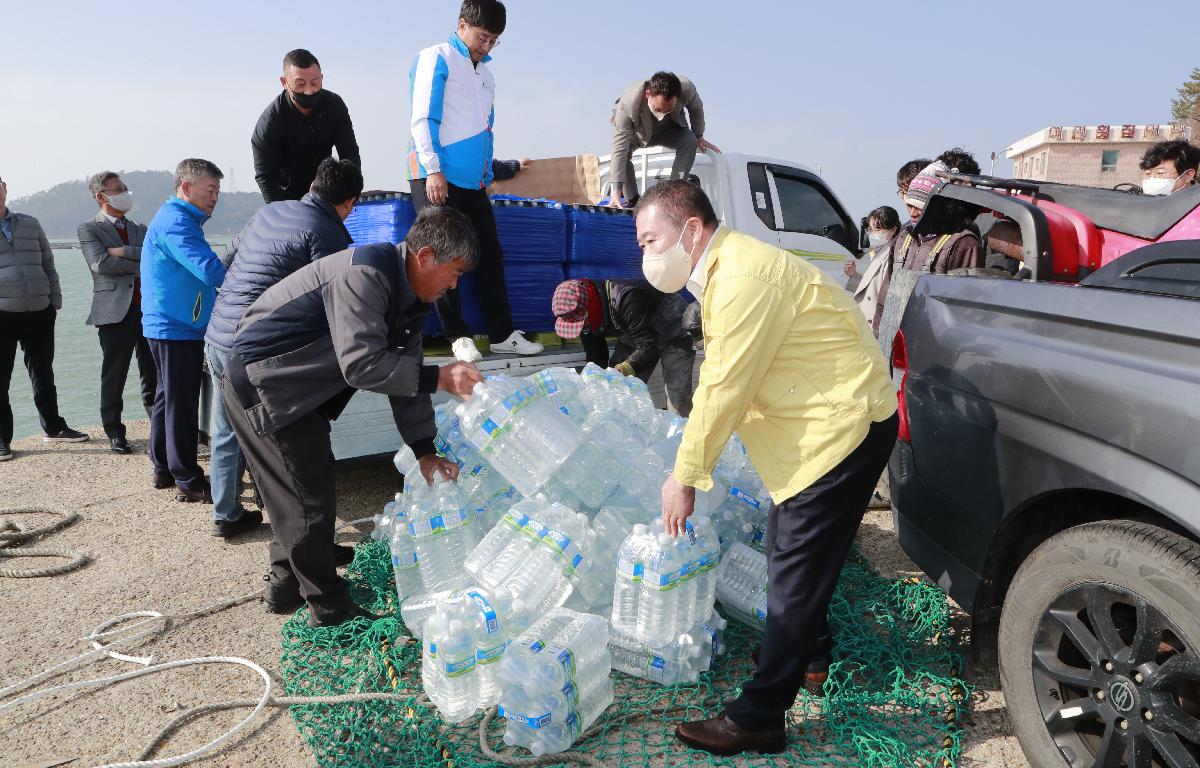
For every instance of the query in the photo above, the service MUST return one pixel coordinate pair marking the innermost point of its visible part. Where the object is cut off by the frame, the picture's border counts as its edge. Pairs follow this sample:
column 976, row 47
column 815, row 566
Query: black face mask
column 307, row 100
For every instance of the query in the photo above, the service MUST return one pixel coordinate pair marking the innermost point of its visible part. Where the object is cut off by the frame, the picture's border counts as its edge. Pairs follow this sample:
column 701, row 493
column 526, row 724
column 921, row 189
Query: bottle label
column 459, row 668
column 573, row 726
column 743, row 497
column 657, row 668
column 706, row 562
column 490, row 655
column 438, row 524
column 571, row 695
column 631, row 570
column 537, row 646
column 515, row 519
column 541, row 721
column 567, row 660
column 562, row 546
column 660, row 581
column 489, row 613
column 404, row 560
column 563, row 408
column 758, row 535
column 691, row 532
column 712, row 636
column 761, row 610
column 686, row 572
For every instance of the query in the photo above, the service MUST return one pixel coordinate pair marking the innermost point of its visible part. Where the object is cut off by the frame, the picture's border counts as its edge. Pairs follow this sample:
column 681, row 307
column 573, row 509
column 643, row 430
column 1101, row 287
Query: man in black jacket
column 299, row 128
column 649, row 326
column 349, row 321
column 278, row 240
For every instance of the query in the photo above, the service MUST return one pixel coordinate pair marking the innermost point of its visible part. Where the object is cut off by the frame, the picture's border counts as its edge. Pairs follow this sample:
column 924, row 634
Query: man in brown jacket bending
column 650, row 114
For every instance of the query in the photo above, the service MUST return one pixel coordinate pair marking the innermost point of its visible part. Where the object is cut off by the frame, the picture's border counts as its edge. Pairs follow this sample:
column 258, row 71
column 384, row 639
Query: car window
column 760, row 194
column 806, row 209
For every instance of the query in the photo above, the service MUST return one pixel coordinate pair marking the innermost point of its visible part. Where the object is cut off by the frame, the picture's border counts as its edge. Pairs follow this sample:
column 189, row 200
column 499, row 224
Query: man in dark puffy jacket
column 278, row 240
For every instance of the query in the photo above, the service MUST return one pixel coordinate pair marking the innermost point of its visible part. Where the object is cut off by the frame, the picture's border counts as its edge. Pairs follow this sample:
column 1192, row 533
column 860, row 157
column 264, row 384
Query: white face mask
column 668, row 270
column 877, row 238
column 1157, row 186
column 122, row 201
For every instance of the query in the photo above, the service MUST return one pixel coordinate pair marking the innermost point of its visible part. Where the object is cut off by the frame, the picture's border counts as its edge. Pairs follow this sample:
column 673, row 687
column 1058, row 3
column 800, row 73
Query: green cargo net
column 893, row 698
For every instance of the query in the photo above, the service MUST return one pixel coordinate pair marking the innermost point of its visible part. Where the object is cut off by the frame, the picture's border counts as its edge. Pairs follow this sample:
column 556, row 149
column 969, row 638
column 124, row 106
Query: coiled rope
column 13, row 535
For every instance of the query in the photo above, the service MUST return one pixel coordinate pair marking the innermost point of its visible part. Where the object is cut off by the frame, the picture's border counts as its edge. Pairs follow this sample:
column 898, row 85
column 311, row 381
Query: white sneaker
column 465, row 351
column 517, row 344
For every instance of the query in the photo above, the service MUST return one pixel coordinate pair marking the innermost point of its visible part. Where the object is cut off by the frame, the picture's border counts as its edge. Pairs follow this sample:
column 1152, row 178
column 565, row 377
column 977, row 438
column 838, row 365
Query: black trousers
column 677, row 357
column 34, row 331
column 118, row 344
column 809, row 537
column 293, row 470
column 489, row 273
column 175, row 417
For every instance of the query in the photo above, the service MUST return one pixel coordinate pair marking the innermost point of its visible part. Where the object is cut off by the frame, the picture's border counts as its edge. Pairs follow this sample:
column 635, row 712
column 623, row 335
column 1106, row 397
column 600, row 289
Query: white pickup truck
column 777, row 201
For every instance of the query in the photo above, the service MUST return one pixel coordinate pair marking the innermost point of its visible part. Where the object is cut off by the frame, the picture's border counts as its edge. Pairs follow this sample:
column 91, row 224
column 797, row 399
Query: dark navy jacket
column 278, row 240
column 346, row 322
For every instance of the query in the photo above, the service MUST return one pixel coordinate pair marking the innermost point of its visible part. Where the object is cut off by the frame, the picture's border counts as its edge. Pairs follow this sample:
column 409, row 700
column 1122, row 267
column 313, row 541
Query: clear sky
column 855, row 88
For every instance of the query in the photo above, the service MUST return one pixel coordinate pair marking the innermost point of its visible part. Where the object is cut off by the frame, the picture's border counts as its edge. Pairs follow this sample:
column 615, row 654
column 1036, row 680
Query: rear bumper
column 915, row 512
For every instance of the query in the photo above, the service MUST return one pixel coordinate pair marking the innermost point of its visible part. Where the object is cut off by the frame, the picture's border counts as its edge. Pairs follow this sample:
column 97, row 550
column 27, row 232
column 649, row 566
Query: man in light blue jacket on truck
column 180, row 277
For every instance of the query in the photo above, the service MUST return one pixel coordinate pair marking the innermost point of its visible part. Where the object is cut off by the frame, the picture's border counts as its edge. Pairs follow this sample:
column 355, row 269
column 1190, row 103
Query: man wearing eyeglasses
column 450, row 163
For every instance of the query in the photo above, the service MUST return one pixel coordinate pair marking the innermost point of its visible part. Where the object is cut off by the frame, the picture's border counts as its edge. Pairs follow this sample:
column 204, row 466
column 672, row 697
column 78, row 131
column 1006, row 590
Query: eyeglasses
column 487, row 42
column 116, row 190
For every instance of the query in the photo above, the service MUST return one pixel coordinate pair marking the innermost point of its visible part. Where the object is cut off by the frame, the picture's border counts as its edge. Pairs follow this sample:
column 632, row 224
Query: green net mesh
column 893, row 698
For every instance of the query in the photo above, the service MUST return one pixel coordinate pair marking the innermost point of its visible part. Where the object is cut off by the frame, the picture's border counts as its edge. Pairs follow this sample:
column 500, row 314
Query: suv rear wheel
column 1100, row 648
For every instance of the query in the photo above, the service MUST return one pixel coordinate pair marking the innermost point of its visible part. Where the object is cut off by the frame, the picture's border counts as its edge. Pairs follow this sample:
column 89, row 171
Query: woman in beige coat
column 870, row 287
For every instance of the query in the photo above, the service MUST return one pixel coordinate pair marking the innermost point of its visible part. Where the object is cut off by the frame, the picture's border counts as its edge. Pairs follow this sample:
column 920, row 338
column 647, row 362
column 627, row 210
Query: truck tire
column 1099, row 648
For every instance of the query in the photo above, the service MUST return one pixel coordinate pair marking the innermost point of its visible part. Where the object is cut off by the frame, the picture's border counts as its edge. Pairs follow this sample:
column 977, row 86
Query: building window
column 1108, row 160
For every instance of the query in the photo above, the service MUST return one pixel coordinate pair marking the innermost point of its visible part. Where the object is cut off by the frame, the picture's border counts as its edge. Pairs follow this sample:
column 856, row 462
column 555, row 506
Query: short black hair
column 664, row 84
column 300, row 58
column 447, row 231
column 910, row 171
column 884, row 217
column 959, row 160
column 489, row 14
column 679, row 200
column 337, row 180
column 1185, row 156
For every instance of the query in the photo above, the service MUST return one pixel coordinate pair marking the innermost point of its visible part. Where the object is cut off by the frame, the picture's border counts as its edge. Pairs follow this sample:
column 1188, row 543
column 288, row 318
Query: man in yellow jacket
column 791, row 365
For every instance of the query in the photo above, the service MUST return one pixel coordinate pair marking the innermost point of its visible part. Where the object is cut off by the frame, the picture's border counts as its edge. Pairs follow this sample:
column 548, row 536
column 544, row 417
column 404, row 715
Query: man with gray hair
column 112, row 247
column 180, row 277
column 348, row 321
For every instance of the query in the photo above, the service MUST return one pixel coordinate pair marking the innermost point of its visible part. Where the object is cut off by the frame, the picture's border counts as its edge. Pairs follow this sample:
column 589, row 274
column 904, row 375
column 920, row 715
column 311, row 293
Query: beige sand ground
column 151, row 553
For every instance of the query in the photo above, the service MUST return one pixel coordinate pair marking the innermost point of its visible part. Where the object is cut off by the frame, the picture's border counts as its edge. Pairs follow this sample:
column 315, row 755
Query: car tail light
column 900, row 371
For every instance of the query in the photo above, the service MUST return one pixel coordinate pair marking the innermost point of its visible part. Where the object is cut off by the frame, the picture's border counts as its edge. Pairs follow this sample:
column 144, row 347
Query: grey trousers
column 678, row 358
column 674, row 136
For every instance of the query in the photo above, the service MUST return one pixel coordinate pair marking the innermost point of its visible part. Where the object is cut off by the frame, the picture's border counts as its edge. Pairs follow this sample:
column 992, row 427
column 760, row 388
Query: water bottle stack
column 742, row 584
column 554, row 681
column 463, row 642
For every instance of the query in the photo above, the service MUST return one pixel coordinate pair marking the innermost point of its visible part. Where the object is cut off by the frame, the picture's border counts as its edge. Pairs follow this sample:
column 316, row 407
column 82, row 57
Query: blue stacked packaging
column 602, row 244
column 381, row 217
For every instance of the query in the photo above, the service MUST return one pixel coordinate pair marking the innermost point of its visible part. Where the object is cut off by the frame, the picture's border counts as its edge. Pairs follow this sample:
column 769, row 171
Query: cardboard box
column 571, row 180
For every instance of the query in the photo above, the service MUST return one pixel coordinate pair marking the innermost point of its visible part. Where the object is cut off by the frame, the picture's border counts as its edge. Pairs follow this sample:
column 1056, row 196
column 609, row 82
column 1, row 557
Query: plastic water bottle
column 631, row 564
column 709, row 551
column 448, row 664
column 742, row 584
column 681, row 661
column 491, row 626
column 496, row 541
column 658, row 604
column 442, row 536
column 416, row 609
column 406, row 464
column 558, row 737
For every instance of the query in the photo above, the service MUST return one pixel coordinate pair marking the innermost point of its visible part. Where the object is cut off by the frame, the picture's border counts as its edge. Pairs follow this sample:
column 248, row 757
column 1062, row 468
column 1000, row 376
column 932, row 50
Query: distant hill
column 61, row 208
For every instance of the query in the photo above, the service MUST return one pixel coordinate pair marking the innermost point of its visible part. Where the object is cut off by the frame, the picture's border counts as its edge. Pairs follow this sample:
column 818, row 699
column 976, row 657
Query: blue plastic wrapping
column 382, row 217
column 533, row 237
column 602, row 244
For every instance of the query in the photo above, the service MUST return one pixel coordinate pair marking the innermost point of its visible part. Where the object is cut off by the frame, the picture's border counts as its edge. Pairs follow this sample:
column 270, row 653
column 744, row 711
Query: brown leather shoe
column 200, row 495
column 814, row 682
column 722, row 736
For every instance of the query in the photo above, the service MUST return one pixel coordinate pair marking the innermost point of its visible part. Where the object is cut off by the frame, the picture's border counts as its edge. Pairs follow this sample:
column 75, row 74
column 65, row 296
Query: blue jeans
column 225, row 474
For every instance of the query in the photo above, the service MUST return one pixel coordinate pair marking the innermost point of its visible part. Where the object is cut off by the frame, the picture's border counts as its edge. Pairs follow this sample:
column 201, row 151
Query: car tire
column 1083, row 689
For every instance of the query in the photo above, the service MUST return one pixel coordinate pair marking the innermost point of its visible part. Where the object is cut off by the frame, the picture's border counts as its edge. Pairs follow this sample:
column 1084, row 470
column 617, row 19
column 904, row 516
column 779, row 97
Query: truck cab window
column 806, row 209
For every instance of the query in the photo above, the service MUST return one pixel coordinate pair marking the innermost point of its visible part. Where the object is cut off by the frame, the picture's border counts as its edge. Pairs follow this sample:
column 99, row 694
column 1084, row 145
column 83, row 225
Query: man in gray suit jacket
column 112, row 245
column 650, row 114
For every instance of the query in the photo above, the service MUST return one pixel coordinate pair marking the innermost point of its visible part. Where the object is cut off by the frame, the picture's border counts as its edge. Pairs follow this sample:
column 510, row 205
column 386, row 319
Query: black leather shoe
column 282, row 597
column 120, row 445
column 163, row 481
column 340, row 617
column 342, row 555
column 201, row 495
column 5, row 451
column 722, row 736
column 247, row 522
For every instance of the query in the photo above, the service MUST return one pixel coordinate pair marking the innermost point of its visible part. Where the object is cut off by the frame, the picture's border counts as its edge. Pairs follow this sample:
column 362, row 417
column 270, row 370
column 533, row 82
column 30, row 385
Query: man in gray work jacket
column 650, row 114
column 349, row 321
